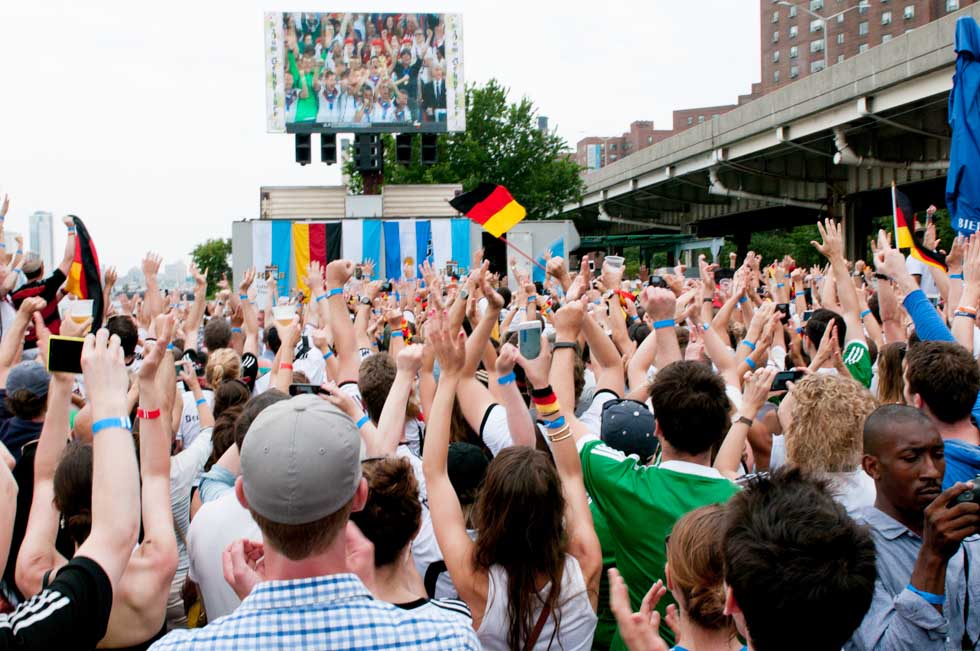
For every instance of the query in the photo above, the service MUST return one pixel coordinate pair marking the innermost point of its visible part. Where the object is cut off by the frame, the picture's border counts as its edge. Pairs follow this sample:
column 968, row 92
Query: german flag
column 904, row 215
column 924, row 255
column 492, row 207
column 84, row 275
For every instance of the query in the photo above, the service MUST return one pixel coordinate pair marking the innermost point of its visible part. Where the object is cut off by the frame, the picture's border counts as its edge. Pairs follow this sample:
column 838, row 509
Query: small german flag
column 903, row 214
column 490, row 206
column 84, row 275
column 924, row 255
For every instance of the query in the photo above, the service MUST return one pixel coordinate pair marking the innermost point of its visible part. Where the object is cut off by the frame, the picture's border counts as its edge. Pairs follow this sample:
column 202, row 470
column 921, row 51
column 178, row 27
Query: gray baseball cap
column 29, row 376
column 301, row 460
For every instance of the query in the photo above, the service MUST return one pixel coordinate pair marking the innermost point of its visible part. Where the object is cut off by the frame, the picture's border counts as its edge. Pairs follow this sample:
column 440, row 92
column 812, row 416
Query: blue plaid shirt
column 326, row 612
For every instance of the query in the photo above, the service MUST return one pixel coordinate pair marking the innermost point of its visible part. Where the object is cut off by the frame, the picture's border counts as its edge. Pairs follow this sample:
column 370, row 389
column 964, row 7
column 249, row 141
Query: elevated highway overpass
column 829, row 144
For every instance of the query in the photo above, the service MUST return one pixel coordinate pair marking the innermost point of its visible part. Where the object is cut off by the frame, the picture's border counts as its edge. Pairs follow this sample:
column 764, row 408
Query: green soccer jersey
column 606, row 626
column 640, row 505
column 857, row 359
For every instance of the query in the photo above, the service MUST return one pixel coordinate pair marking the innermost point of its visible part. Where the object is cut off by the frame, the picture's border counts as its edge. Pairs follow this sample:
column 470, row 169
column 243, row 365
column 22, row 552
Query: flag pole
column 526, row 256
column 895, row 213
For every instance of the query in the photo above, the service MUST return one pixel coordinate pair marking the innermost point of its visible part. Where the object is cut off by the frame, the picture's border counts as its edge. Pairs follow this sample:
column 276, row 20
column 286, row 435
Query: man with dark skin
column 925, row 540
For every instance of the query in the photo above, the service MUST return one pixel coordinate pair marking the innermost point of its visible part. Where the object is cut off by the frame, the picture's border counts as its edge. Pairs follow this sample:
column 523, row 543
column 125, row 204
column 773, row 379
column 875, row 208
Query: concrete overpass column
column 857, row 230
column 742, row 244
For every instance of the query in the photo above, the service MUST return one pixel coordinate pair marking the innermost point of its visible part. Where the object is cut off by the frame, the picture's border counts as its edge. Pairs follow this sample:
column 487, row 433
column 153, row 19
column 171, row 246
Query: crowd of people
column 364, row 69
column 761, row 457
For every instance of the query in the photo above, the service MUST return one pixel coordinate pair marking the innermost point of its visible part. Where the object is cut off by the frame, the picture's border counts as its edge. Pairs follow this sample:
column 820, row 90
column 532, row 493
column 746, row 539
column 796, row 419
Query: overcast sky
column 150, row 123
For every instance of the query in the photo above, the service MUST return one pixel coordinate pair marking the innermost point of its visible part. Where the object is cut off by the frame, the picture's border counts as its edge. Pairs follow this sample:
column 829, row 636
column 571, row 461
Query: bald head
column 888, row 422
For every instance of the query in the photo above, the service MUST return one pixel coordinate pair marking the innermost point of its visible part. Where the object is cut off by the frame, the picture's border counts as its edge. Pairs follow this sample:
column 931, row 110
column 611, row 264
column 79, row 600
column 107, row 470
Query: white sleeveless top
column 575, row 613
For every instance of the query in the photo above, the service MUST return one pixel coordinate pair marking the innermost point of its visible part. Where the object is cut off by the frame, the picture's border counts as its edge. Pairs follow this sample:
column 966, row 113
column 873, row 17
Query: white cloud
column 148, row 120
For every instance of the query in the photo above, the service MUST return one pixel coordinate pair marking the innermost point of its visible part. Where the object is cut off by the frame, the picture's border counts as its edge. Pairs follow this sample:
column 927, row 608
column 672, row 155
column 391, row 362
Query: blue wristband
column 634, row 319
column 748, row 360
column 506, row 379
column 865, row 313
column 243, row 297
column 665, row 323
column 780, row 285
column 234, row 330
column 327, row 355
column 956, row 276
column 553, row 424
column 705, row 327
column 200, row 401
column 19, row 251
column 336, row 291
column 397, row 333
column 934, row 599
column 363, row 421
column 743, row 299
column 800, row 294
column 111, row 423
column 531, row 299
column 748, row 344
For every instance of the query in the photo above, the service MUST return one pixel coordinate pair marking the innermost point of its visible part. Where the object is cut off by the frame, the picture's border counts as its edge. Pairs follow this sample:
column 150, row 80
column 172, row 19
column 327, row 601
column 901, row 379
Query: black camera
column 969, row 495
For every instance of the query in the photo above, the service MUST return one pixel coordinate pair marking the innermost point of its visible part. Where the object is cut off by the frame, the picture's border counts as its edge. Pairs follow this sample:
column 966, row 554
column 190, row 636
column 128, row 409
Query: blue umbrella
column 963, row 180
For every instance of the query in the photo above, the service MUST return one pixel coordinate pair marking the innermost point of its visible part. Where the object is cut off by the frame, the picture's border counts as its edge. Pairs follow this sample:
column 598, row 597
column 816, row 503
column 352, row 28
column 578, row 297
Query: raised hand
column 537, row 369
column 755, row 390
column 106, row 378
column 339, row 272
column 314, row 278
column 640, row 631
column 5, row 206
column 200, row 279
column 568, row 320
column 409, row 358
column 243, row 564
column 151, row 265
column 164, row 326
column 247, row 279
column 832, row 246
column 110, row 277
column 659, row 303
column 506, row 359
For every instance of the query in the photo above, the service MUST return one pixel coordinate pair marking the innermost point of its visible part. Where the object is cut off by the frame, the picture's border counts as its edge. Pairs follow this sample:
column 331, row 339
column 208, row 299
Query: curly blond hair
column 826, row 433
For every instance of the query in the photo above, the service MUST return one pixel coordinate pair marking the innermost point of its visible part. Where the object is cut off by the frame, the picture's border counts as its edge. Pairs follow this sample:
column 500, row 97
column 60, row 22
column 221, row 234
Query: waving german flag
column 490, row 206
column 84, row 275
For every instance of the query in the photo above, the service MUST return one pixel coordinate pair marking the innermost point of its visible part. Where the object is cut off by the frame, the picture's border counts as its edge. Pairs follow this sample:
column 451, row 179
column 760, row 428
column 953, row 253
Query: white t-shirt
column 190, row 421
column 853, row 490
column 916, row 268
column 215, row 526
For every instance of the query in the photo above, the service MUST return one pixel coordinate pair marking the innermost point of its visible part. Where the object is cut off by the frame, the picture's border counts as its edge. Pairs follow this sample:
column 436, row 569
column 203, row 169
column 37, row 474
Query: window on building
column 863, row 47
column 816, row 46
column 840, row 18
column 612, row 147
column 840, row 38
column 613, row 157
column 886, row 38
column 794, row 72
column 794, row 52
column 690, row 119
column 649, row 140
column 952, row 5
column 816, row 66
column 775, row 76
column 714, row 117
column 863, row 28
column 775, row 56
column 775, row 16
column 775, row 37
column 792, row 11
column 864, row 6
column 840, row 57
column 816, row 5
column 700, row 119
column 816, row 25
column 793, row 31
column 886, row 18
column 909, row 12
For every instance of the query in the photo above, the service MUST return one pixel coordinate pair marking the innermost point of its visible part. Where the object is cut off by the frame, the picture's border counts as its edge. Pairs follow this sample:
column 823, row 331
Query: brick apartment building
column 594, row 152
column 800, row 37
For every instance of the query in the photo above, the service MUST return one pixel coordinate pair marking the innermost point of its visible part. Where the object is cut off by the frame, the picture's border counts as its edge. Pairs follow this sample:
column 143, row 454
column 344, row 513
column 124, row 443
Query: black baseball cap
column 628, row 426
column 467, row 466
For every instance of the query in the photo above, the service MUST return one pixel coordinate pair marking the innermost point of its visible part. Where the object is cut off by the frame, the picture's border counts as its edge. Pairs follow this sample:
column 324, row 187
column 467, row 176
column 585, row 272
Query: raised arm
column 65, row 265
column 13, row 338
column 251, row 317
column 660, row 304
column 832, row 248
column 159, row 546
column 447, row 515
column 391, row 422
column 154, row 299
column 348, row 359
column 963, row 326
column 196, row 312
column 754, row 394
column 38, row 553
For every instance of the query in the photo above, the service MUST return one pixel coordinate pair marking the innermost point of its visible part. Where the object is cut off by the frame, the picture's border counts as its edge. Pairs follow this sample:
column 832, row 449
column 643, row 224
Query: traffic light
column 430, row 152
column 328, row 148
column 368, row 152
column 404, row 143
column 303, row 149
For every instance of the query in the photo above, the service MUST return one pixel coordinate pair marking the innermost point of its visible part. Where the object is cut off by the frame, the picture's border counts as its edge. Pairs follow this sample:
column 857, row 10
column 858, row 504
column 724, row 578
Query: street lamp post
column 825, row 20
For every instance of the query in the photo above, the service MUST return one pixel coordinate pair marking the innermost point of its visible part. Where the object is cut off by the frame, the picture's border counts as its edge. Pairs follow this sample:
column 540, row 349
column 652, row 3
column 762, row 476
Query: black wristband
column 882, row 277
column 542, row 393
column 559, row 345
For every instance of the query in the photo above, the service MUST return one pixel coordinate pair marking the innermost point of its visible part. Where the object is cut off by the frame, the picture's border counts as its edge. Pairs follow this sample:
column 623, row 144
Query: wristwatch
column 365, row 300
column 882, row 276
column 558, row 345
column 465, row 294
column 745, row 420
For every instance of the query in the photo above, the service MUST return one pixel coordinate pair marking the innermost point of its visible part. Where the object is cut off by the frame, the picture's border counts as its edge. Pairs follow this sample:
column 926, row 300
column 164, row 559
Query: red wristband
column 289, row 366
column 143, row 414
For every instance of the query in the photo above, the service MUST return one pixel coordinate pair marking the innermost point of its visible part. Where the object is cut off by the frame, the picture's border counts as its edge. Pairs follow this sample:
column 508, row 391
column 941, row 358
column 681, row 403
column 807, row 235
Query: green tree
column 213, row 255
column 502, row 144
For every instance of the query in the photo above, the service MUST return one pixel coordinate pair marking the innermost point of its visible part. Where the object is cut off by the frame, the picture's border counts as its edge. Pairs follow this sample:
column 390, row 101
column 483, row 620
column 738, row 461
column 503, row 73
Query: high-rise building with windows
column 800, row 37
column 41, row 237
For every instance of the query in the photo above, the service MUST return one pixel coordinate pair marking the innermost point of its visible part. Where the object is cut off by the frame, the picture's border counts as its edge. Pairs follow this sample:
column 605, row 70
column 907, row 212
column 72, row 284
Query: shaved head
column 883, row 424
